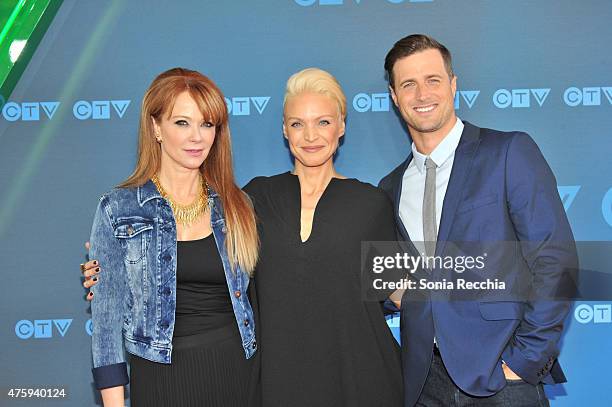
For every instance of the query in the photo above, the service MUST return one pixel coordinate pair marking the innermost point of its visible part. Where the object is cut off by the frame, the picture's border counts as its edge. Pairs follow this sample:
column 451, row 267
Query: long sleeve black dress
column 321, row 344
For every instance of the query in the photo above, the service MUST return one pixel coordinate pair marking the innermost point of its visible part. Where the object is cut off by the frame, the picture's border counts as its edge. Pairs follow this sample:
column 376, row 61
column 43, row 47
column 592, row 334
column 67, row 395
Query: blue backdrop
column 69, row 133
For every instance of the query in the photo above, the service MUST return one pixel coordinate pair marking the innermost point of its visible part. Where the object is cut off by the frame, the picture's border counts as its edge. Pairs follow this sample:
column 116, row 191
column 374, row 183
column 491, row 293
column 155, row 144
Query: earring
column 158, row 138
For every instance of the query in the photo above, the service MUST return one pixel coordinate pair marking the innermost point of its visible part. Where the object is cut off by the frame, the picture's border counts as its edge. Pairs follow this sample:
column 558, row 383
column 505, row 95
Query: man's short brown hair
column 411, row 45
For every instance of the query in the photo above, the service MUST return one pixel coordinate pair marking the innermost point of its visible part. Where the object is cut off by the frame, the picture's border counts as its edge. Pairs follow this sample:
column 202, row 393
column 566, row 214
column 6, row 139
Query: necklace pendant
column 185, row 215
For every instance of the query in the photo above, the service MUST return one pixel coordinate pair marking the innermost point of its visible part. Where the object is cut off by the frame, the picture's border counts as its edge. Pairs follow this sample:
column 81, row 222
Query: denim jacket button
column 254, row 344
column 130, row 230
column 224, row 229
column 167, row 258
column 246, row 322
column 237, row 294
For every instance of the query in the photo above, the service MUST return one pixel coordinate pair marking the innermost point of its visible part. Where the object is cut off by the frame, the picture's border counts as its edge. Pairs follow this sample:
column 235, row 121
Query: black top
column 320, row 343
column 202, row 297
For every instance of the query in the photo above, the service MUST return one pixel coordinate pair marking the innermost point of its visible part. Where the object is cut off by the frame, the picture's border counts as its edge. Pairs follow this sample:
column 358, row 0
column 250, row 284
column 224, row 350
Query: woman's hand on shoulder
column 90, row 271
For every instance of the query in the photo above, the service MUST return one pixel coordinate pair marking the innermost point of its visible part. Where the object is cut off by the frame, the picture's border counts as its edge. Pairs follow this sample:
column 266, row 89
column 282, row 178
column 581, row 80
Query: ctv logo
column 306, row 3
column 606, row 207
column 89, row 327
column 375, row 102
column 99, row 109
column 241, row 106
column 596, row 314
column 468, row 96
column 568, row 193
column 393, row 321
column 586, row 96
column 41, row 328
column 29, row 111
column 503, row 98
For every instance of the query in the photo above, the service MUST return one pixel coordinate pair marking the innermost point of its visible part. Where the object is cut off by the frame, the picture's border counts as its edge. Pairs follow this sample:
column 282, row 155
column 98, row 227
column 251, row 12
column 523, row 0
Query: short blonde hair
column 317, row 81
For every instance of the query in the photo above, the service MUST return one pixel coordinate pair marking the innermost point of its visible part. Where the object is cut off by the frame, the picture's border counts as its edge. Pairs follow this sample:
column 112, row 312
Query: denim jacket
column 134, row 238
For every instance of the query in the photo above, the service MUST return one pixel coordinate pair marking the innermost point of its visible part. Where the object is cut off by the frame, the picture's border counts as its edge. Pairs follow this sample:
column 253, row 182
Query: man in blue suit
column 465, row 183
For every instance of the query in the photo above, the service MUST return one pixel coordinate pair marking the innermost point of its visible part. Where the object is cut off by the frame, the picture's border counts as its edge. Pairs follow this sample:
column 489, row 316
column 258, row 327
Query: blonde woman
column 178, row 241
column 322, row 345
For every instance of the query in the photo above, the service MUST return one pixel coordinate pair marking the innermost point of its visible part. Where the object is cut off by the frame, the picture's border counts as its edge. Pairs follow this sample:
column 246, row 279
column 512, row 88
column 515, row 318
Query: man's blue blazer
column 500, row 189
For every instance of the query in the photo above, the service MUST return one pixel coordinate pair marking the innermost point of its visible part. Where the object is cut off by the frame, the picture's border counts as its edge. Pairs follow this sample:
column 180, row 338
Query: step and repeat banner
column 68, row 134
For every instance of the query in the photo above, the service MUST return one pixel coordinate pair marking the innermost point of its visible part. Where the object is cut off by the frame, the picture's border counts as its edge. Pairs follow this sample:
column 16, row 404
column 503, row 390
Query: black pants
column 439, row 390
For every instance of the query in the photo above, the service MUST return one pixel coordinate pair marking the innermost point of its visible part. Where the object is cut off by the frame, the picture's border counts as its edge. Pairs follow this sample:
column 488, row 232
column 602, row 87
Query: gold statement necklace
column 185, row 214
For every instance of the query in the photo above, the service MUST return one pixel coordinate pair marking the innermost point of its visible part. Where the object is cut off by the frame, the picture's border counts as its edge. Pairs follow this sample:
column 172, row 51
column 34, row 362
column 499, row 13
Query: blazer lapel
column 462, row 164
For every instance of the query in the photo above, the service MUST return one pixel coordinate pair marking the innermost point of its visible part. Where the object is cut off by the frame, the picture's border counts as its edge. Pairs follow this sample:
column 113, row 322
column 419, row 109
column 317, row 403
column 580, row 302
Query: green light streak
column 24, row 174
column 21, row 20
column 11, row 20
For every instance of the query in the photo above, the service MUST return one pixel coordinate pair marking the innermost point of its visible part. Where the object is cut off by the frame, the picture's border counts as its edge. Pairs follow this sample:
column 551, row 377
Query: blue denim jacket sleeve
column 109, row 304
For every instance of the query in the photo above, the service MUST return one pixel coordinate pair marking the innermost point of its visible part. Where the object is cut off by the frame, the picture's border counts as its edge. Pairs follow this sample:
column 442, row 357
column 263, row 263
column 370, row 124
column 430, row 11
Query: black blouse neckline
column 195, row 240
column 333, row 179
column 320, row 211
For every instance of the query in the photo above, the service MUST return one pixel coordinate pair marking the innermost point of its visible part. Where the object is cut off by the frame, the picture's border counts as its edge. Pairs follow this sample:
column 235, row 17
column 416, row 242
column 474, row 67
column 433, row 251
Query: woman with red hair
column 178, row 241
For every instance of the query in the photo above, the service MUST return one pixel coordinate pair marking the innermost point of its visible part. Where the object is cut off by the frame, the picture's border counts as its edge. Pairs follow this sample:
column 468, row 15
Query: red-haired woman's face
column 186, row 136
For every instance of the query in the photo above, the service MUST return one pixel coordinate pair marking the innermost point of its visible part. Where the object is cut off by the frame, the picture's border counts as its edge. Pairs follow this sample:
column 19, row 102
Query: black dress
column 208, row 366
column 320, row 343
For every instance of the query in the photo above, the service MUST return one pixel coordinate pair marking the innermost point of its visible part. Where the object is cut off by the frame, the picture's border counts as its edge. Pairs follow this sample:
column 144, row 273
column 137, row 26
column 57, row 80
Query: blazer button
column 237, row 294
column 246, row 322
